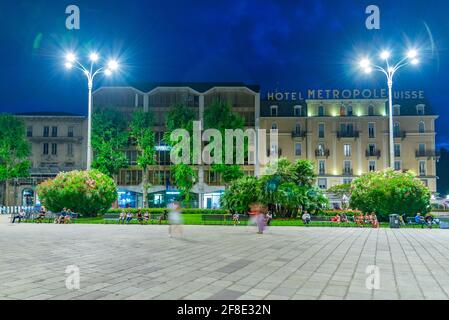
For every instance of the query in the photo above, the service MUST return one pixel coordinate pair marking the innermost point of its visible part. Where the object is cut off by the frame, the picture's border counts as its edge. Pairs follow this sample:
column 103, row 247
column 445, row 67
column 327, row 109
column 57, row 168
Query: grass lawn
column 195, row 219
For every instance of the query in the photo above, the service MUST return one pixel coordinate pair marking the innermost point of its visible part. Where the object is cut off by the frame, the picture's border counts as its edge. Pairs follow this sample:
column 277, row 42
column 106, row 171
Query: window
column 297, row 111
column 54, row 131
column 347, row 181
column 321, row 111
column 347, row 129
column 46, row 131
column 54, row 149
column 347, row 167
column 297, row 149
column 397, row 165
column 420, row 109
column 371, row 110
column 397, row 150
column 342, row 111
column 274, row 111
column 29, row 131
column 45, row 148
column 321, row 130
column 322, row 183
column 422, row 168
column 396, row 110
column 397, row 129
column 421, row 127
column 371, row 130
column 298, row 129
column 350, row 112
column 70, row 132
column 372, row 166
column 422, row 149
column 321, row 167
column 347, row 150
column 320, row 149
column 70, row 149
column 131, row 156
column 274, row 126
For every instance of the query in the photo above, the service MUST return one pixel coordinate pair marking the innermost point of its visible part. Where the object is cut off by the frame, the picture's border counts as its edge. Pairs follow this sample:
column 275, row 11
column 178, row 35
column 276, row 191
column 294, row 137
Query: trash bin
column 394, row 221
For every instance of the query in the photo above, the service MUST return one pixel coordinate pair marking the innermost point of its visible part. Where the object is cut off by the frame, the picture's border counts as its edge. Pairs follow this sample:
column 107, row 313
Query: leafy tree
column 185, row 178
column 14, row 149
column 241, row 193
column 86, row 192
column 219, row 115
column 109, row 139
column 143, row 135
column 386, row 192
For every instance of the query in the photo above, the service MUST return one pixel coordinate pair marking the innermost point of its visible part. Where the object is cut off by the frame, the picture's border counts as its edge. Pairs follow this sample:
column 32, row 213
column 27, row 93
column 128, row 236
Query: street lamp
column 366, row 65
column 90, row 73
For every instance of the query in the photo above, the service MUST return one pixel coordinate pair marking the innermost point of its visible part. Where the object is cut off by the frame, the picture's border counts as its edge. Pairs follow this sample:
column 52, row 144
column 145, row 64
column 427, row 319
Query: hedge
column 161, row 210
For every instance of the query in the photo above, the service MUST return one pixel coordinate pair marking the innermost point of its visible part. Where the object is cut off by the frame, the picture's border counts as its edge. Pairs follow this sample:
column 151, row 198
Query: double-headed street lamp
column 410, row 58
column 107, row 69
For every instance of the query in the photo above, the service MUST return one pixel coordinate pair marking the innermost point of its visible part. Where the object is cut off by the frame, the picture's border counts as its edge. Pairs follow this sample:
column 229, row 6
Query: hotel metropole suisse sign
column 324, row 94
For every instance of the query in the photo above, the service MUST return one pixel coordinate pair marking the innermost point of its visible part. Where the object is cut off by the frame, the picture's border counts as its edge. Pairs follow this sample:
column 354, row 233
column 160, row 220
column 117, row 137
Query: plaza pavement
column 218, row 262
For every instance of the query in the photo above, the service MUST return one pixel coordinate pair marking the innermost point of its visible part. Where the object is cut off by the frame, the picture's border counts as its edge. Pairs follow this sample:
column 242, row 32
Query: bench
column 222, row 219
column 153, row 217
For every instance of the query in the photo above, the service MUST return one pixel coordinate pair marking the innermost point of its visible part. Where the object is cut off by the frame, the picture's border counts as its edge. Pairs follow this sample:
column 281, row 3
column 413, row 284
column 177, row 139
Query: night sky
column 279, row 44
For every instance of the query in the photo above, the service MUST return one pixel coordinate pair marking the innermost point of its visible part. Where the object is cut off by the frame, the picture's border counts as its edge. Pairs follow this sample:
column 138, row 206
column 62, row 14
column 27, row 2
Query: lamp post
column 389, row 71
column 90, row 73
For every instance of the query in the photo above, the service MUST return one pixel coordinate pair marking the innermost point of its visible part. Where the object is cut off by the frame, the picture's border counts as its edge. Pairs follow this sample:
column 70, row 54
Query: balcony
column 348, row 134
column 372, row 153
column 399, row 134
column 279, row 152
column 427, row 154
column 347, row 171
column 299, row 134
column 322, row 153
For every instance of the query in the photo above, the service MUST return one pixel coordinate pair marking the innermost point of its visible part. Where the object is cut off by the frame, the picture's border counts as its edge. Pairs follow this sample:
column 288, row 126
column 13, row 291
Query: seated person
column 41, row 215
column 419, row 219
column 68, row 216
column 20, row 216
column 129, row 217
column 336, row 218
column 146, row 217
column 62, row 216
column 140, row 217
column 122, row 217
column 344, row 218
column 306, row 217
column 428, row 219
column 374, row 221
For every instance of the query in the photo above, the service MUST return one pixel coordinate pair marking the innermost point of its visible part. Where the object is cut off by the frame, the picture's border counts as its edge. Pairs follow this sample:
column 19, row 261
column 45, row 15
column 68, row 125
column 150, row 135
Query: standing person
column 122, row 217
column 257, row 212
column 269, row 217
column 306, row 217
column 174, row 219
column 129, row 217
column 235, row 218
column 19, row 216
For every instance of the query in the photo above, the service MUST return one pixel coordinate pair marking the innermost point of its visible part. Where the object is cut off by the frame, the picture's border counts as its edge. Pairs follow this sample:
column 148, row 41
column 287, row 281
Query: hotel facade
column 344, row 137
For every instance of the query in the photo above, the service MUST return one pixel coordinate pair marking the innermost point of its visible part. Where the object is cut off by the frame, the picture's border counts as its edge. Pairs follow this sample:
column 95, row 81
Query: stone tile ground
column 214, row 262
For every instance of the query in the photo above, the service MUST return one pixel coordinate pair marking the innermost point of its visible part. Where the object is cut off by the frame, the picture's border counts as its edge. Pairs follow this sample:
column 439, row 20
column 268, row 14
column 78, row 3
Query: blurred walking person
column 174, row 219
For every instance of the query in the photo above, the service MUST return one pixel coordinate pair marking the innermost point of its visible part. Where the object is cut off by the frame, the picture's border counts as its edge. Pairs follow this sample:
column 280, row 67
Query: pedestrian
column 269, row 217
column 257, row 212
column 174, row 219
column 306, row 217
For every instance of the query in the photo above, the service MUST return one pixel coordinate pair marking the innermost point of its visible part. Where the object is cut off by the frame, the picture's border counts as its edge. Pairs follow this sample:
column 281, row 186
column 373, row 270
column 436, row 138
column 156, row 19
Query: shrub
column 387, row 192
column 85, row 192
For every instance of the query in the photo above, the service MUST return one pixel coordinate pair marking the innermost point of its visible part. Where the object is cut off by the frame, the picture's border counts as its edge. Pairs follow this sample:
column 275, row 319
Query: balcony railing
column 427, row 154
column 399, row 134
column 347, row 134
column 322, row 153
column 372, row 153
column 347, row 171
column 299, row 134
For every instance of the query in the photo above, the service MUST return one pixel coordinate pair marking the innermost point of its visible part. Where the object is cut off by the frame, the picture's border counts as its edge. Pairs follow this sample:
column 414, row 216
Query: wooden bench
column 153, row 217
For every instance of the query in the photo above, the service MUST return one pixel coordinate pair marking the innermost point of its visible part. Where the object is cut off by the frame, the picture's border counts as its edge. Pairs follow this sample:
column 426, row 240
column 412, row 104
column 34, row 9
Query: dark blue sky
column 288, row 45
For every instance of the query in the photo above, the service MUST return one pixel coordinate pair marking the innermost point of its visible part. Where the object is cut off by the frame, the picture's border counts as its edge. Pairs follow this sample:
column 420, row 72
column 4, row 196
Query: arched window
column 274, row 126
column 321, row 111
column 371, row 110
column 421, row 127
column 297, row 111
column 350, row 113
column 274, row 111
column 420, row 109
column 27, row 197
column 342, row 111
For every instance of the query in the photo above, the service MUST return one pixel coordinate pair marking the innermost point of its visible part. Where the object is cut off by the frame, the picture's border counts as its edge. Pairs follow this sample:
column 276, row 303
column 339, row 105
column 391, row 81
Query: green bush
column 387, row 192
column 85, row 192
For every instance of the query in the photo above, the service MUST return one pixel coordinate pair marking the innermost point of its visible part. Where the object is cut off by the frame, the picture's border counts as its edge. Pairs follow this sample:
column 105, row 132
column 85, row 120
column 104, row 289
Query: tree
column 387, row 192
column 241, row 193
column 14, row 149
column 219, row 115
column 143, row 135
column 87, row 192
column 109, row 139
column 181, row 117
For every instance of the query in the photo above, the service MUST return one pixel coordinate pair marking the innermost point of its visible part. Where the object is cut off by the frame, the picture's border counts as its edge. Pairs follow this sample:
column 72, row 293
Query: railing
column 347, row 172
column 299, row 134
column 322, row 153
column 347, row 134
column 16, row 209
column 426, row 153
column 57, row 138
column 399, row 134
column 372, row 153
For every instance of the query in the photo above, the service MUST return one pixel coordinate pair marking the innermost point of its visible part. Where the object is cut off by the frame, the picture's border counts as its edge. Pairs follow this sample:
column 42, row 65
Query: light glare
column 412, row 54
column 364, row 63
column 107, row 72
column 68, row 65
column 385, row 55
column 70, row 57
column 93, row 57
column 113, row 65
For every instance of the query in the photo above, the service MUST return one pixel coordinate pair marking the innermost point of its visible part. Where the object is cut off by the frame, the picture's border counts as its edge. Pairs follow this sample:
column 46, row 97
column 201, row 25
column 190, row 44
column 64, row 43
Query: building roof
column 48, row 114
column 197, row 86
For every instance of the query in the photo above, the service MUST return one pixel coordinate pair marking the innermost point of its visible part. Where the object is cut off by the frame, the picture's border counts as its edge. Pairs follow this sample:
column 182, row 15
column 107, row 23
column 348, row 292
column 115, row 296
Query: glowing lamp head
column 365, row 63
column 385, row 55
column 70, row 57
column 112, row 65
column 412, row 54
column 93, row 57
